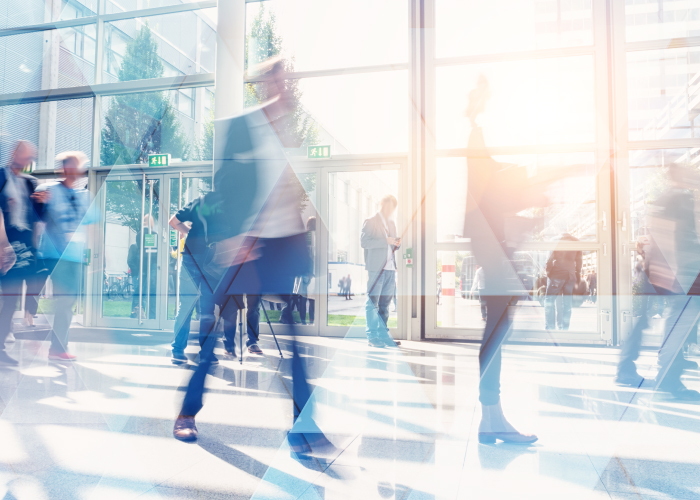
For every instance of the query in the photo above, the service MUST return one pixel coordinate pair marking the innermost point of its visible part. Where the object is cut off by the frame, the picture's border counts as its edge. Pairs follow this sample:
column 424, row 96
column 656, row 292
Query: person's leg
column 11, row 292
column 371, row 306
column 495, row 332
column 253, row 318
column 626, row 367
column 312, row 310
column 682, row 312
column 65, row 278
column 567, row 299
column 208, row 320
column 135, row 297
column 35, row 283
column 190, row 280
column 386, row 295
column 302, row 309
column 554, row 286
column 229, row 314
column 482, row 303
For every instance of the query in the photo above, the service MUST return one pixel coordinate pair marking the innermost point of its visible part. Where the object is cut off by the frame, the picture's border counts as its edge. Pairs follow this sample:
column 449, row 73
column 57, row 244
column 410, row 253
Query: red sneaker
column 61, row 356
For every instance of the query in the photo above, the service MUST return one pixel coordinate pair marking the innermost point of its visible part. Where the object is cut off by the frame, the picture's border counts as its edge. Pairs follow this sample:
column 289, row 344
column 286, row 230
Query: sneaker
column 254, row 349
column 10, row 338
column 392, row 343
column 179, row 358
column 376, row 343
column 7, row 360
column 656, row 316
column 229, row 354
column 185, row 428
column 631, row 379
column 693, row 350
column 61, row 356
column 678, row 392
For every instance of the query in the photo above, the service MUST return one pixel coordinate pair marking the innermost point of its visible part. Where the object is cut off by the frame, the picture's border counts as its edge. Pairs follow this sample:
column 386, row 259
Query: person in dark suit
column 19, row 205
column 257, row 239
column 380, row 243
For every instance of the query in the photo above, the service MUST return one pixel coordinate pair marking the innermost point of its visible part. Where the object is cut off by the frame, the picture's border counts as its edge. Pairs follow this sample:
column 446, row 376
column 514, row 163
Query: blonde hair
column 389, row 199
column 79, row 156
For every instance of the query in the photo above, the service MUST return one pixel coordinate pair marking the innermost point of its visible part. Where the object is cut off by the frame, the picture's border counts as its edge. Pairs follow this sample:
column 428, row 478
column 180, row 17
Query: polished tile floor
column 404, row 423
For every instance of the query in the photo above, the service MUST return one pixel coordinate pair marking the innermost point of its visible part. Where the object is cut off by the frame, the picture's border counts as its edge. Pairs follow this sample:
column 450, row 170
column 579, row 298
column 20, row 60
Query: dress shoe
column 179, row 358
column 495, row 427
column 506, row 437
column 185, row 429
column 7, row 360
column 254, row 349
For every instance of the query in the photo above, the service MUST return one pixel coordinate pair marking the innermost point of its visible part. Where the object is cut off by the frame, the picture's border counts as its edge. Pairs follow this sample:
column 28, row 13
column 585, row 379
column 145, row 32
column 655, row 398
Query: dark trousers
column 11, row 293
column 266, row 275
column 498, row 325
column 558, row 301
column 482, row 304
column 35, row 284
column 302, row 309
column 65, row 276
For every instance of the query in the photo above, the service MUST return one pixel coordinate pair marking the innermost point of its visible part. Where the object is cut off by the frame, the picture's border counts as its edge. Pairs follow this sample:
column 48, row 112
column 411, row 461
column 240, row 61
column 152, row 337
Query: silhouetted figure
column 495, row 195
column 563, row 275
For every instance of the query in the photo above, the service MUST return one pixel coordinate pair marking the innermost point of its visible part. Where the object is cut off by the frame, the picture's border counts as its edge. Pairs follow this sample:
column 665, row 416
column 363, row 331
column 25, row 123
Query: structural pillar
column 230, row 58
column 49, row 80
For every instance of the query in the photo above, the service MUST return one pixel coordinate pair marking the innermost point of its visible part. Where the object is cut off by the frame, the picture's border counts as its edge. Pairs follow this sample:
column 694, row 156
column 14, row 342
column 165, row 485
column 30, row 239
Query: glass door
column 182, row 189
column 351, row 194
column 132, row 252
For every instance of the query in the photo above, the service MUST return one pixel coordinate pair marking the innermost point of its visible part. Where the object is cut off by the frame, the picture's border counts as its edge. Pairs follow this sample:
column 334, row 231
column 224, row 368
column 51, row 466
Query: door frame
column 353, row 163
column 93, row 310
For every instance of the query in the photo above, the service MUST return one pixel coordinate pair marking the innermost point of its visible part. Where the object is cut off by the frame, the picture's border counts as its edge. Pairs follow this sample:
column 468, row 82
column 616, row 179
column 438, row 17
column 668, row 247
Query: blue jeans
column 381, row 287
column 558, row 301
column 194, row 287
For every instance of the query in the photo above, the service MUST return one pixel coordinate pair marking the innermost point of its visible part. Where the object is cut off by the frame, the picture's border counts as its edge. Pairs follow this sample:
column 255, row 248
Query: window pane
column 24, row 57
column 658, row 19
column 323, row 34
column 136, row 125
column 170, row 41
column 571, row 204
column 461, row 306
column 490, row 26
column 552, row 102
column 364, row 113
column 15, row 13
column 113, row 6
column 663, row 91
column 71, row 128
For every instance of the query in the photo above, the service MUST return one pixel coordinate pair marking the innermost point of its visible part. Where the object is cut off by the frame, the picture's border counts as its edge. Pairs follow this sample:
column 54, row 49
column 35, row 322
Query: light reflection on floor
column 404, row 422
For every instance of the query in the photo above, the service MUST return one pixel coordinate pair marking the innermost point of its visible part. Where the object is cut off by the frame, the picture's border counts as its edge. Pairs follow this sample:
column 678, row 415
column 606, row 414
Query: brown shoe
column 254, row 349
column 184, row 429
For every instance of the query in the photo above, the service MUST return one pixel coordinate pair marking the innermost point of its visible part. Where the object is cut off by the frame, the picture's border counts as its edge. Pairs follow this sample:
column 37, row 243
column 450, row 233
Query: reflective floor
column 404, row 424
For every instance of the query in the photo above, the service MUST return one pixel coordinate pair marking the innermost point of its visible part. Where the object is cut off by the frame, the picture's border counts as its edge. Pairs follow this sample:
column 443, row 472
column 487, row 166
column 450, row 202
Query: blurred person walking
column 65, row 213
column 307, row 284
column 494, row 196
column 257, row 240
column 563, row 275
column 19, row 205
column 348, row 288
column 670, row 260
column 379, row 241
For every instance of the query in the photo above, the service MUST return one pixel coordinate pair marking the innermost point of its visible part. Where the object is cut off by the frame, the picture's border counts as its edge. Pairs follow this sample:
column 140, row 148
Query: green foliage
column 204, row 147
column 262, row 43
column 137, row 125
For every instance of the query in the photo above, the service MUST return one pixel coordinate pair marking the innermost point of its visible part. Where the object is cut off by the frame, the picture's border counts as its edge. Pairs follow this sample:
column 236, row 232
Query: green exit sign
column 158, row 160
column 149, row 240
column 318, row 152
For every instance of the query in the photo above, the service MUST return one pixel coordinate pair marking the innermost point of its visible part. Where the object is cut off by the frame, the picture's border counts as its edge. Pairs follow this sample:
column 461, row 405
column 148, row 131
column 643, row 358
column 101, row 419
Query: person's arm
column 369, row 238
column 7, row 253
column 179, row 226
column 579, row 265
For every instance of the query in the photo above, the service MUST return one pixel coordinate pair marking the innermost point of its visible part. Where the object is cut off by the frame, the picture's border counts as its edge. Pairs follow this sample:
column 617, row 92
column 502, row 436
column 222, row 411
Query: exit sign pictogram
column 158, row 160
